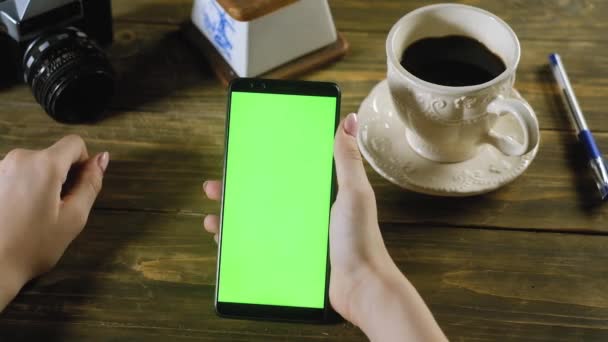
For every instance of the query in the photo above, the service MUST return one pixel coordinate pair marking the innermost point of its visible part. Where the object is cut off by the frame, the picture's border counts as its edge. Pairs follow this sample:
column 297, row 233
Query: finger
column 349, row 165
column 67, row 151
column 212, row 224
column 77, row 203
column 213, row 189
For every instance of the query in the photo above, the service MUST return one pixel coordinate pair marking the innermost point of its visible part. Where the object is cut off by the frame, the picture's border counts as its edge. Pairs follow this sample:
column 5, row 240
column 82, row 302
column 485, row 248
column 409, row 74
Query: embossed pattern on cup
column 449, row 124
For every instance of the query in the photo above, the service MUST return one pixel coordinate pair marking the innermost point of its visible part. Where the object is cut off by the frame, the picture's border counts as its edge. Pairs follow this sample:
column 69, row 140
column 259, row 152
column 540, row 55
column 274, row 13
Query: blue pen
column 597, row 162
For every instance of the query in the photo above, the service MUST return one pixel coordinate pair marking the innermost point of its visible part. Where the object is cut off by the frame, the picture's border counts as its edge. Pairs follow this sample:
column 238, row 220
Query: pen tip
column 604, row 192
column 553, row 58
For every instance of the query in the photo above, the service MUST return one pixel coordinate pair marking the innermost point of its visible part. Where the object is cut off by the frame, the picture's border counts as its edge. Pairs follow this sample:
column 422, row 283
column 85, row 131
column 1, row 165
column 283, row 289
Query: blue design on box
column 219, row 27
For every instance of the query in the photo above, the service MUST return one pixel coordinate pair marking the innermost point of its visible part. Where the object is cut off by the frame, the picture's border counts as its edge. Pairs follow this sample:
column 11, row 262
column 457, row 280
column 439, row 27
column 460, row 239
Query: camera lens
column 69, row 74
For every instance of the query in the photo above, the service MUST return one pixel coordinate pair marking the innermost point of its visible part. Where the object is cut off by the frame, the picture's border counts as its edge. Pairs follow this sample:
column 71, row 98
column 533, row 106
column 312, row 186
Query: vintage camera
column 53, row 46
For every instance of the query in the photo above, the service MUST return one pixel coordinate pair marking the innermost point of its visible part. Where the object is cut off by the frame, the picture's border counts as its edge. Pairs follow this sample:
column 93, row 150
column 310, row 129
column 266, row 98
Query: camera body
column 54, row 46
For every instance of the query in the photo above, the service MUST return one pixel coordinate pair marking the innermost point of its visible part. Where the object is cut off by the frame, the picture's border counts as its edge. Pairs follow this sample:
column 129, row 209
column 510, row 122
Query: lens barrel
column 69, row 74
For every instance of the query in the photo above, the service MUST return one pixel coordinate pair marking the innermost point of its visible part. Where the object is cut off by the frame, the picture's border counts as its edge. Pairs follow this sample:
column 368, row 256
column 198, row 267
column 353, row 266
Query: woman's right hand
column 366, row 287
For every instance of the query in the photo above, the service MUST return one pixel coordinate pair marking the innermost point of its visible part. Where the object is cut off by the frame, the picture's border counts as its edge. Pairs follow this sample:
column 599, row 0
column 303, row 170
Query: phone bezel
column 272, row 312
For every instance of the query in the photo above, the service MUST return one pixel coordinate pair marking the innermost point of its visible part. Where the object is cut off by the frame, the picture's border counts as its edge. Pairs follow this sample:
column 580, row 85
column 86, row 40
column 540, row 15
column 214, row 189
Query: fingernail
column 351, row 124
column 205, row 183
column 103, row 160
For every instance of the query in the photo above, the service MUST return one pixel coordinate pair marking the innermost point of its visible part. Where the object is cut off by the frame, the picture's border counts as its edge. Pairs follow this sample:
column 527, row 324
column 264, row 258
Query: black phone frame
column 272, row 312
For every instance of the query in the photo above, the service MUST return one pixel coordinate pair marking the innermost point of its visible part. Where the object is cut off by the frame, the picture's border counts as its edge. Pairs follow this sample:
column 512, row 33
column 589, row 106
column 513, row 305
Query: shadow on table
column 99, row 282
column 8, row 76
column 154, row 62
column 6, row 79
column 587, row 193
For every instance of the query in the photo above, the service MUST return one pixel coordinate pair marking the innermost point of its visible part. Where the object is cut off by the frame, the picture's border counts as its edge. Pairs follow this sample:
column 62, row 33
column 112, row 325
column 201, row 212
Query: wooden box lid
column 247, row 10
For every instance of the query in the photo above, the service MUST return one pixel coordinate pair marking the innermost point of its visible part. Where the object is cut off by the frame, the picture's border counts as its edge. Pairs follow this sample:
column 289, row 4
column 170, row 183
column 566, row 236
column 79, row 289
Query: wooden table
column 527, row 262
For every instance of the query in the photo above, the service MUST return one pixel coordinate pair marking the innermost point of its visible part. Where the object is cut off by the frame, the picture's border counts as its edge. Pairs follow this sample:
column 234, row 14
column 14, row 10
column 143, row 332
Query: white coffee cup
column 450, row 124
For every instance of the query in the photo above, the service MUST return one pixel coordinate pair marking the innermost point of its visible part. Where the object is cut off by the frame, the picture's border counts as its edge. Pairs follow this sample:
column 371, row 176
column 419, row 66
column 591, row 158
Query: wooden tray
column 299, row 66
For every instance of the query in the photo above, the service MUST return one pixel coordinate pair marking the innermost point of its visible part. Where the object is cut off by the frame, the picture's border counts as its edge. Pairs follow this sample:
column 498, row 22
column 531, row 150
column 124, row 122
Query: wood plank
column 144, row 270
column 172, row 136
column 159, row 161
column 529, row 19
column 158, row 72
column 135, row 276
column 587, row 67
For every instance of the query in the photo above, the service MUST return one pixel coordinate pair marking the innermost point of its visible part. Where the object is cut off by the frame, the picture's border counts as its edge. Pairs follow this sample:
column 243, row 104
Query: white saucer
column 382, row 142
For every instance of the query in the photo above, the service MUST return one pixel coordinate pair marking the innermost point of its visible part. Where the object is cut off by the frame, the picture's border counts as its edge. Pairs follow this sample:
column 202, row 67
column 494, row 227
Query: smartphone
column 279, row 185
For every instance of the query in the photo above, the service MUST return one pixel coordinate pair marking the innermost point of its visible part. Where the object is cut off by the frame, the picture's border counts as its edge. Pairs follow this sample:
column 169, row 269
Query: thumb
column 78, row 202
column 349, row 165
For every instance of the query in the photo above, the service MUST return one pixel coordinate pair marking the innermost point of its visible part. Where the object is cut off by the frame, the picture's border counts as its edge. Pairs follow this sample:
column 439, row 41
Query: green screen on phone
column 277, row 199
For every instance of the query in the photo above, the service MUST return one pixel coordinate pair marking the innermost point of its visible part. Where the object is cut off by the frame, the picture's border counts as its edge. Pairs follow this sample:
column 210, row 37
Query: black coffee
column 455, row 61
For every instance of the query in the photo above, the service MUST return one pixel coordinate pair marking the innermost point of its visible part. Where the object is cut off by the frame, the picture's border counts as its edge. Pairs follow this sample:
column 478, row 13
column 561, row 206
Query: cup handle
column 526, row 119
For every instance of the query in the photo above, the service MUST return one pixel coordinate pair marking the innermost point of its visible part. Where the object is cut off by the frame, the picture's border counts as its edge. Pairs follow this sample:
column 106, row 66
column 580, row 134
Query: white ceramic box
column 254, row 47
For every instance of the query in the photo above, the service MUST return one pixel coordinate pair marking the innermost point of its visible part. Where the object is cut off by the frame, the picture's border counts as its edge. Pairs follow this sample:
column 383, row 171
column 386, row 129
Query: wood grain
column 139, row 276
column 159, row 161
column 492, row 267
column 158, row 72
column 570, row 20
